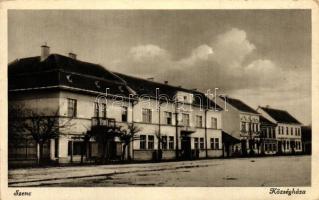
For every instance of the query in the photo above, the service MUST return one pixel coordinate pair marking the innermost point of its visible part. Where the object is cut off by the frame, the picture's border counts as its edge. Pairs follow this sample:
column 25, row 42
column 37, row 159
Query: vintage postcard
column 159, row 100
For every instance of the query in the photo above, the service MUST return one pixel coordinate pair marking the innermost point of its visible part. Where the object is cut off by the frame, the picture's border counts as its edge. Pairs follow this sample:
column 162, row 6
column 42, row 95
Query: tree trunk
column 38, row 153
column 41, row 153
column 124, row 151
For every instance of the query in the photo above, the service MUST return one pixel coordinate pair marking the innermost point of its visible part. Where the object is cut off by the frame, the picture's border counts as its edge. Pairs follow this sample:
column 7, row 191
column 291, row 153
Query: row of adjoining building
column 186, row 124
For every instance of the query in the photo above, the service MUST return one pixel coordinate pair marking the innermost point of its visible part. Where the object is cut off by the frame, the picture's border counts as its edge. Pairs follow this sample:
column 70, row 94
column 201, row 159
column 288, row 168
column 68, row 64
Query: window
column 168, row 117
column 292, row 131
column 243, row 127
column 56, row 147
column 216, row 143
column 142, row 141
column 196, row 143
column 147, row 115
column 103, row 110
column 287, row 144
column 164, row 142
column 185, row 119
column 77, row 148
column 199, row 121
column 214, row 123
column 124, row 114
column 96, row 109
column 274, row 147
column 296, row 131
column 287, row 131
column 171, row 142
column 150, row 142
column 212, row 144
column 71, row 108
column 201, row 143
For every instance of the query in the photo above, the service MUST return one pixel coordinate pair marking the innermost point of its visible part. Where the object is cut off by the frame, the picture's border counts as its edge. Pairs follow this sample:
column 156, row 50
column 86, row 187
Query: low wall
column 214, row 153
column 141, row 155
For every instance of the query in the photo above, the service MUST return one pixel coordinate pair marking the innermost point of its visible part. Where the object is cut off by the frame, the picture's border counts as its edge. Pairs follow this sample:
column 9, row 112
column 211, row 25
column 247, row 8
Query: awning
column 229, row 139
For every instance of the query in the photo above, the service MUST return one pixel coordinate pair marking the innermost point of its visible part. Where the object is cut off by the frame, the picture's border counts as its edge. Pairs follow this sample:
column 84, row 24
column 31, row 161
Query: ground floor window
column 196, row 143
column 201, row 143
column 150, row 142
column 142, row 141
column 171, row 142
column 76, row 149
column 214, row 143
column 56, row 147
column 164, row 142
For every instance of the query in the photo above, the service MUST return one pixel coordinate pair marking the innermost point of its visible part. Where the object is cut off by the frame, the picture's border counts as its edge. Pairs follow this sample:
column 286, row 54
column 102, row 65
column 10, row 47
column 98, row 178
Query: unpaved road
column 239, row 172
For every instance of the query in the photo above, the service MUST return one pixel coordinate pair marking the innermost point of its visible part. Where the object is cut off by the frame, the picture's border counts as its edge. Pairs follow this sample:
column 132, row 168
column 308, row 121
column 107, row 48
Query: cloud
column 202, row 52
column 150, row 52
column 232, row 47
column 143, row 60
column 223, row 63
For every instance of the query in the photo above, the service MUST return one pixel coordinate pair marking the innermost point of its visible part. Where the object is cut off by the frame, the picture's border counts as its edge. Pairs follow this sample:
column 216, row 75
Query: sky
column 262, row 57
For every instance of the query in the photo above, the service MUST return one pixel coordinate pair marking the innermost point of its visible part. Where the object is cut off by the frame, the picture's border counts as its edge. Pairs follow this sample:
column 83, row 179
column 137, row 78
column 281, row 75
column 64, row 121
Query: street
column 237, row 172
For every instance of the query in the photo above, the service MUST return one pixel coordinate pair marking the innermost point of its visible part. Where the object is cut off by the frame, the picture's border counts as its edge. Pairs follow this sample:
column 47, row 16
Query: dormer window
column 69, row 78
column 97, row 84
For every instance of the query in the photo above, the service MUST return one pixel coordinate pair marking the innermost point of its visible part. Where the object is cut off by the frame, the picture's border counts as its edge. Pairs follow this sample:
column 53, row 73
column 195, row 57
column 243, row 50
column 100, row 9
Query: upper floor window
column 124, row 114
column 96, row 109
column 168, row 117
column 243, row 126
column 147, row 115
column 214, row 123
column 103, row 110
column 185, row 119
column 292, row 131
column 72, row 107
column 199, row 121
column 287, row 130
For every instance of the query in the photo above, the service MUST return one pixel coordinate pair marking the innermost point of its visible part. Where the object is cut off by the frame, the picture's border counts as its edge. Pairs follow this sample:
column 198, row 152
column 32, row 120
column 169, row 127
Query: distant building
column 183, row 124
column 268, row 136
column 306, row 136
column 241, row 122
column 288, row 129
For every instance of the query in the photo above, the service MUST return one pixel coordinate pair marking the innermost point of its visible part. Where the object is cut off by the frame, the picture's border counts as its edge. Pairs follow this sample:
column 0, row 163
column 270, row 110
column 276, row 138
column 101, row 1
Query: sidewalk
column 35, row 176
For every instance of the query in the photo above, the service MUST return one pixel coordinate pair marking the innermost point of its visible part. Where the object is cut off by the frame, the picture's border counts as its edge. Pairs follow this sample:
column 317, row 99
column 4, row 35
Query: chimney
column 45, row 51
column 267, row 106
column 150, row 79
column 165, row 82
column 72, row 55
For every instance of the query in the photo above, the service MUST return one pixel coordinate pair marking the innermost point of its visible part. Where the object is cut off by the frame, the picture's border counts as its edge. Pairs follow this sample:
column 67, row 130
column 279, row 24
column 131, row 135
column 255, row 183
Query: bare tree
column 159, row 144
column 41, row 126
column 129, row 136
column 103, row 134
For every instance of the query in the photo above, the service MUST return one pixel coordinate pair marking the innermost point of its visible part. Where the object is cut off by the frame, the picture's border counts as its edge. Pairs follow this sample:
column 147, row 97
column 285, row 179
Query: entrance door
column 186, row 148
column 115, row 150
column 243, row 147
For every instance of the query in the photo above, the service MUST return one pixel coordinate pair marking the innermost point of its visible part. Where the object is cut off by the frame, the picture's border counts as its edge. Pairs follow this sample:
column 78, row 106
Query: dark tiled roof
column 147, row 87
column 56, row 61
column 281, row 116
column 238, row 104
column 265, row 121
column 58, row 70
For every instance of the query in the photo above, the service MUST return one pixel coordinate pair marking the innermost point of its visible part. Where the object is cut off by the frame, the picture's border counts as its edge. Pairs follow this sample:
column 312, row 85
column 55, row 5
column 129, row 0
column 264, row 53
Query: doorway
column 186, row 148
